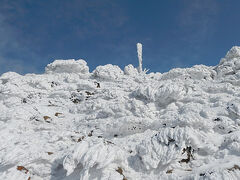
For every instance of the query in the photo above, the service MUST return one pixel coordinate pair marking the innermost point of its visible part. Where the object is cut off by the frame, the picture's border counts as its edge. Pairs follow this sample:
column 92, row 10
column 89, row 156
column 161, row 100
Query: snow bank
column 71, row 124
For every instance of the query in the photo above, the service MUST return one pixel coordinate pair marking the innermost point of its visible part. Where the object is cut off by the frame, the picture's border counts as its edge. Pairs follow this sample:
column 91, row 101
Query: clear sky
column 174, row 33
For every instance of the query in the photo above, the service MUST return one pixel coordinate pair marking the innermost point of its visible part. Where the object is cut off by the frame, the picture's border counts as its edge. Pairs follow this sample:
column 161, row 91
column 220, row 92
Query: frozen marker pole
column 139, row 51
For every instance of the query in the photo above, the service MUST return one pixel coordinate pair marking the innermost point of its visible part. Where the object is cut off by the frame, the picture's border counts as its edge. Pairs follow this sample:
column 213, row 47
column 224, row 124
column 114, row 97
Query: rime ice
column 139, row 52
column 69, row 123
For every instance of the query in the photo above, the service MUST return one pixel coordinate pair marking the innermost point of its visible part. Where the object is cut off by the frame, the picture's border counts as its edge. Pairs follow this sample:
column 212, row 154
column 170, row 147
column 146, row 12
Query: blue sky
column 176, row 33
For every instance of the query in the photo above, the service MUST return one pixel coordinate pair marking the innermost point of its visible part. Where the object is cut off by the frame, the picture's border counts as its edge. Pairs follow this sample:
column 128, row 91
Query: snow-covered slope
column 111, row 124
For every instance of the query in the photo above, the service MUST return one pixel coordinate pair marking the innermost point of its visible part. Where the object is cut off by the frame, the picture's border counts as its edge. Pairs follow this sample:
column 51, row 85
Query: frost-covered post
column 139, row 51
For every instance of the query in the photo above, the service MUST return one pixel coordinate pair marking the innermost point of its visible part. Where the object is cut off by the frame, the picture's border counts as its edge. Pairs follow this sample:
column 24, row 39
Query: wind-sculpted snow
column 95, row 155
column 161, row 93
column 69, row 123
column 108, row 72
column 67, row 66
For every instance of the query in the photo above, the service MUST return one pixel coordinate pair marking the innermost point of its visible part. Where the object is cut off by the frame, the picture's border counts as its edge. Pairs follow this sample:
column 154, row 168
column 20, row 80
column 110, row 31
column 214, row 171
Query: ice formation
column 139, row 52
column 72, row 124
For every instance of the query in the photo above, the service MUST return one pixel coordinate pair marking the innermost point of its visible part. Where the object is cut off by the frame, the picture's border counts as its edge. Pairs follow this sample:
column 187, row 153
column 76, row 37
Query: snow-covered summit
column 69, row 123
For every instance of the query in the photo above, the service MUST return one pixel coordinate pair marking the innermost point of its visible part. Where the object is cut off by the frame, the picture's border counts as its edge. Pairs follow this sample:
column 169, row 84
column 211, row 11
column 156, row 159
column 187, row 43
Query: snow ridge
column 69, row 123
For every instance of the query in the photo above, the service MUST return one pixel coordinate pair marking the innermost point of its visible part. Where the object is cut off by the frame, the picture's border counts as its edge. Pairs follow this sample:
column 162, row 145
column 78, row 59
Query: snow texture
column 72, row 124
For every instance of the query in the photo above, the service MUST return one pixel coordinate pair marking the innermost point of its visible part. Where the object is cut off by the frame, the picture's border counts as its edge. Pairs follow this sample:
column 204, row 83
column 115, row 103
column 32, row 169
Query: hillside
column 70, row 124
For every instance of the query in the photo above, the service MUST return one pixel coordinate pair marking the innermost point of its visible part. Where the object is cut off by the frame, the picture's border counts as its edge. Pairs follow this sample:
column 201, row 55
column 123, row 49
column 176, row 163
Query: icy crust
column 111, row 124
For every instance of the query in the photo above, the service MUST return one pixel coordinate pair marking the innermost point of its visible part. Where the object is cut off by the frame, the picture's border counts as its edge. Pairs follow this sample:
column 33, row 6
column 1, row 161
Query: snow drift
column 69, row 123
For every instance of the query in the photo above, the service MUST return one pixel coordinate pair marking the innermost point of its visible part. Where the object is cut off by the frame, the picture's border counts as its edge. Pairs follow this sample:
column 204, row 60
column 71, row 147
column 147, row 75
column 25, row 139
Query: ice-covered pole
column 139, row 51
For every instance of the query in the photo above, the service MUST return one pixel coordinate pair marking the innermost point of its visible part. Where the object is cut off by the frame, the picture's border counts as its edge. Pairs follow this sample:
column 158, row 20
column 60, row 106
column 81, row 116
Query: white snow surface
column 111, row 124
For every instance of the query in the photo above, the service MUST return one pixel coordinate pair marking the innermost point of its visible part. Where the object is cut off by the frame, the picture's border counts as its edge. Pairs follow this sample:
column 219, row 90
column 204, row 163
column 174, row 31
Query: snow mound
column 67, row 66
column 130, row 70
column 108, row 72
column 234, row 52
column 161, row 93
column 196, row 72
column 72, row 124
column 229, row 66
column 95, row 155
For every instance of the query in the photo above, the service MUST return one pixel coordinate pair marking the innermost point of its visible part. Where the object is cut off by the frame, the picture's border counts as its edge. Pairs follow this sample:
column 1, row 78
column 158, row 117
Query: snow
column 69, row 123
column 108, row 72
column 67, row 66
column 130, row 70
